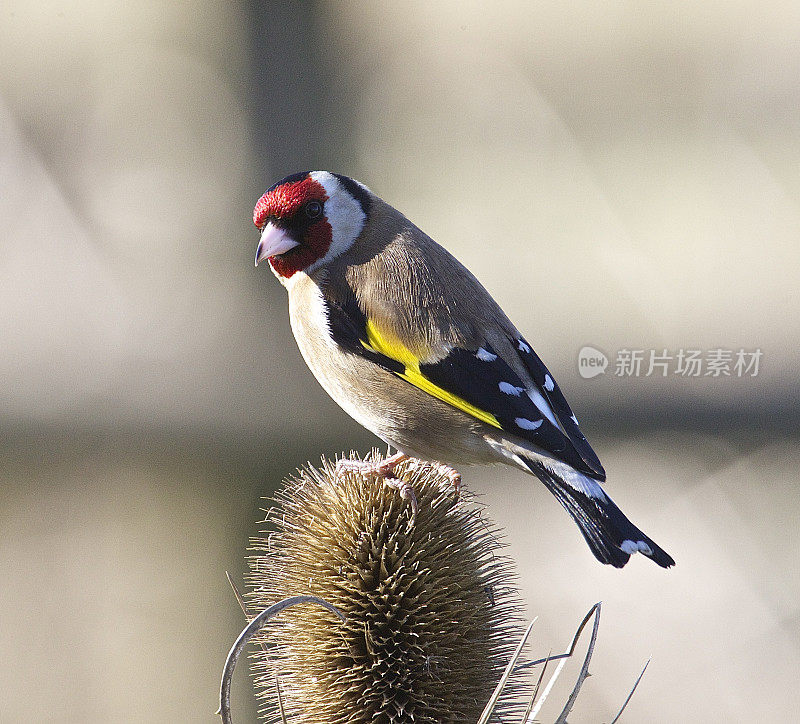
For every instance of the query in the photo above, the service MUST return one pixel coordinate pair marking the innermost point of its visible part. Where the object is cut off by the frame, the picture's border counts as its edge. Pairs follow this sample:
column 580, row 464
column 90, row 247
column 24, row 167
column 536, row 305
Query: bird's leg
column 384, row 469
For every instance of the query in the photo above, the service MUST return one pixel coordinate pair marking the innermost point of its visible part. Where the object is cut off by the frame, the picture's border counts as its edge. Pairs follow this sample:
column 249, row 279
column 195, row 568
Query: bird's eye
column 313, row 209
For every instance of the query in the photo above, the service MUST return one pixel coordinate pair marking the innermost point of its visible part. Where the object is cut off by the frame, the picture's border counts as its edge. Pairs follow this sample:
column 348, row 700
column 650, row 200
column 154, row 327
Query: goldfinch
column 406, row 340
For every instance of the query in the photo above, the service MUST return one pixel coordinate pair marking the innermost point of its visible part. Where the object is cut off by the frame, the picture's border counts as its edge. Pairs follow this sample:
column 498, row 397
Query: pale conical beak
column 274, row 241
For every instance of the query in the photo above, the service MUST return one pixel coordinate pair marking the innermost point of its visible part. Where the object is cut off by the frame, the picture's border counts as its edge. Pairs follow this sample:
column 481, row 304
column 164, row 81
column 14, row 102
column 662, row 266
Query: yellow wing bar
column 391, row 347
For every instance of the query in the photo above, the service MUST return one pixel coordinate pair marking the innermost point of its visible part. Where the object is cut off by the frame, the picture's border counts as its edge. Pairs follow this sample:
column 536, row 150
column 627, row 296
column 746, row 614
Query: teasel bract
column 429, row 599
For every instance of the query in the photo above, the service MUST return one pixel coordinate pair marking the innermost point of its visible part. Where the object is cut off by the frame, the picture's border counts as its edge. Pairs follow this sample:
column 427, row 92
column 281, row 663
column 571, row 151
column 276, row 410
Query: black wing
column 549, row 388
column 494, row 392
column 487, row 381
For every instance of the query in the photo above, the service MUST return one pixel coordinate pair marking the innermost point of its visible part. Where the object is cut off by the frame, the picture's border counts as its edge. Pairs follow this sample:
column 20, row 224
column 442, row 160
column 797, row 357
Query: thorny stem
column 567, row 654
column 584, row 672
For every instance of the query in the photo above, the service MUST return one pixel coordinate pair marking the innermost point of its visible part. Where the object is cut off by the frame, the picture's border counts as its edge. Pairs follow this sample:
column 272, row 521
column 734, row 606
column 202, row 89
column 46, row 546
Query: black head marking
column 291, row 179
column 356, row 190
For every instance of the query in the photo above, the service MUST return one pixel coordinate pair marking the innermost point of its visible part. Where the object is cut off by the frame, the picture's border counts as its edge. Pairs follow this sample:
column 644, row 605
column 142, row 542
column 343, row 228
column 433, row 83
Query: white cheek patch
column 343, row 212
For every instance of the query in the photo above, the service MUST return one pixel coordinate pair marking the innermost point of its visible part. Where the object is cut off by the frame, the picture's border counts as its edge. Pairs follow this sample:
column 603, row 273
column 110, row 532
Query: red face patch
column 287, row 199
column 285, row 206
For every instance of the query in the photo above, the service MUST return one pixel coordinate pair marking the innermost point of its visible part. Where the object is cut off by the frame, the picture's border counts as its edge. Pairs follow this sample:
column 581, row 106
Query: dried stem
column 490, row 705
column 625, row 704
column 563, row 660
column 244, row 637
column 526, row 719
column 567, row 654
column 584, row 672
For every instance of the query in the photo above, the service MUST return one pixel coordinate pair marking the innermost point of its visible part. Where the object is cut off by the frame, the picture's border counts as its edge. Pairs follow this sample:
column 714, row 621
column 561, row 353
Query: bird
column 411, row 345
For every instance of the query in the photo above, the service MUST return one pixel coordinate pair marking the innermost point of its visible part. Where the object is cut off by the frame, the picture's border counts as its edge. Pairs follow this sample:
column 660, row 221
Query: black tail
column 610, row 535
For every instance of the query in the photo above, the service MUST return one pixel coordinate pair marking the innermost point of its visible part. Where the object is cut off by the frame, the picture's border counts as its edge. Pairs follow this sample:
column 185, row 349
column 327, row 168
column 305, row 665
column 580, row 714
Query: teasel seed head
column 430, row 604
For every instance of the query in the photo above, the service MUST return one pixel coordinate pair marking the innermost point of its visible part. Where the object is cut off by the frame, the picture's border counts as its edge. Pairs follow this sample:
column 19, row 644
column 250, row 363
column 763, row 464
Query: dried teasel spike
column 432, row 615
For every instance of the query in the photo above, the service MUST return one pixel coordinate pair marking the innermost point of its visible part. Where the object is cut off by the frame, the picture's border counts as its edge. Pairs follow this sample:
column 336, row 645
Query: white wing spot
column 548, row 383
column 635, row 546
column 526, row 424
column 574, row 419
column 522, row 346
column 510, row 389
column 484, row 355
column 537, row 398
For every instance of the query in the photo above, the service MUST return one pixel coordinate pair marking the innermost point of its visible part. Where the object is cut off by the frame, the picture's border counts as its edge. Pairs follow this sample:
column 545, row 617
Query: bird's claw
column 452, row 475
column 406, row 493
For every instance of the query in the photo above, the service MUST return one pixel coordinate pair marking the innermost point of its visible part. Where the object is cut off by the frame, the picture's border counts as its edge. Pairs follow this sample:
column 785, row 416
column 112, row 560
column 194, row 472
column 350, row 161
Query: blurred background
column 619, row 175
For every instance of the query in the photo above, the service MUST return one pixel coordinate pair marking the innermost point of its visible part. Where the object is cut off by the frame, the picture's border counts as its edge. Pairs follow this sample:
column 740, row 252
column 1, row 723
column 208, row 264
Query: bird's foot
column 452, row 475
column 384, row 469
